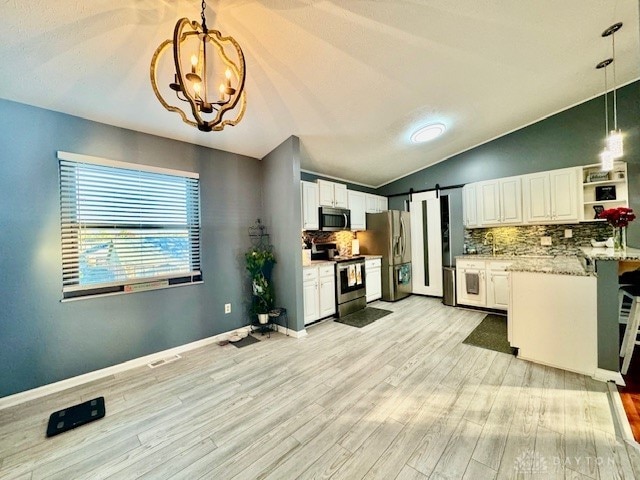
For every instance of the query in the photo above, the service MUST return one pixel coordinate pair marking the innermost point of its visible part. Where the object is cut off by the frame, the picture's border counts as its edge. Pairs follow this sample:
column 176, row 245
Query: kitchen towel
column 404, row 274
column 359, row 273
column 351, row 275
column 473, row 283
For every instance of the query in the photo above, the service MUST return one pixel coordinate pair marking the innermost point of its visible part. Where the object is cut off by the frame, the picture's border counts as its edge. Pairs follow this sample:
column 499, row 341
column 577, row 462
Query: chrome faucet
column 493, row 242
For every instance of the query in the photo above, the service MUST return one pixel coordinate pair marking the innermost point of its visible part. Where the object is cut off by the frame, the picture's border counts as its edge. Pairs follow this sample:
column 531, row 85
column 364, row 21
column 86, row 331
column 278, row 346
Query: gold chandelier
column 202, row 58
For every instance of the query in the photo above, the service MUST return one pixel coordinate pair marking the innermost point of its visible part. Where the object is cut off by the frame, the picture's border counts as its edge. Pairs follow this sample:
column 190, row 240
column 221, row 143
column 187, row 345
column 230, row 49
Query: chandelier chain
column 204, row 19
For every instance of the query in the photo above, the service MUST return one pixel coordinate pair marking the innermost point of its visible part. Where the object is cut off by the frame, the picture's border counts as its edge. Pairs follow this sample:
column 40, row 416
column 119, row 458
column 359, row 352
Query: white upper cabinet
column 564, row 195
column 376, row 203
column 332, row 194
column 470, row 205
column 500, row 201
column 310, row 220
column 551, row 197
column 357, row 205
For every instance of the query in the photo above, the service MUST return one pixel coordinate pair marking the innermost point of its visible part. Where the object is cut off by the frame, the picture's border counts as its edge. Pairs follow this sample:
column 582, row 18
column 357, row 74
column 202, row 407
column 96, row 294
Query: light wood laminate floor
column 402, row 398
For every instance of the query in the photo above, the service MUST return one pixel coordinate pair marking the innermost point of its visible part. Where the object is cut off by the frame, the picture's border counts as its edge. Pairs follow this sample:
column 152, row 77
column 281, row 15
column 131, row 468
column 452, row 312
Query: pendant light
column 208, row 75
column 614, row 138
column 606, row 157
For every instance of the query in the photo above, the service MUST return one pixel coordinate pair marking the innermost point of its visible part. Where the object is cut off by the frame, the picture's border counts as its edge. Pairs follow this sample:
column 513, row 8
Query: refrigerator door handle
column 402, row 237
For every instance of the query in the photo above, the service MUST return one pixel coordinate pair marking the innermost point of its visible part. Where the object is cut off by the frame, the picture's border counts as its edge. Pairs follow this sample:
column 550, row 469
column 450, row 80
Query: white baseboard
column 608, row 376
column 21, row 397
column 292, row 333
column 621, row 417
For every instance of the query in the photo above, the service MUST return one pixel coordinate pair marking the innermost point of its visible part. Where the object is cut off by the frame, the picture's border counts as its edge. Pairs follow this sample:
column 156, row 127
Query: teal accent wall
column 570, row 138
column 44, row 340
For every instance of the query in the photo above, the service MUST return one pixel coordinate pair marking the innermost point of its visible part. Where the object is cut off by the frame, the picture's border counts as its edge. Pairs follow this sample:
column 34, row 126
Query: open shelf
column 620, row 185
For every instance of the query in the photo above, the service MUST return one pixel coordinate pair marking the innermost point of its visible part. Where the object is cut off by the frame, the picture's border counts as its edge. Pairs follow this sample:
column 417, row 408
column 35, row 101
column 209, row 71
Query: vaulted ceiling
column 353, row 78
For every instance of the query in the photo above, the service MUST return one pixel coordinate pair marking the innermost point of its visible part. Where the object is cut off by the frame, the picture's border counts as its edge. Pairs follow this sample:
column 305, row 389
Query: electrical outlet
column 227, row 308
column 568, row 233
column 545, row 241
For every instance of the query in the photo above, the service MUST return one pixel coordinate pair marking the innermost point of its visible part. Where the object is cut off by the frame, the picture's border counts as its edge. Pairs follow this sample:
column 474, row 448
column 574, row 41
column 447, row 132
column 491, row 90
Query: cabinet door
column 510, row 200
column 327, row 296
column 325, row 193
column 470, row 205
column 357, row 201
column 340, row 199
column 374, row 283
column 309, row 206
column 372, row 203
column 537, row 197
column 464, row 296
column 564, row 195
column 310, row 298
column 498, row 290
column 489, row 203
column 383, row 203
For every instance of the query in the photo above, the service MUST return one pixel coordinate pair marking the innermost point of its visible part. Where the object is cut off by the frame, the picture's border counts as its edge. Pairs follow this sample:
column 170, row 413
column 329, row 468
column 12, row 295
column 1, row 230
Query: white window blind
column 124, row 224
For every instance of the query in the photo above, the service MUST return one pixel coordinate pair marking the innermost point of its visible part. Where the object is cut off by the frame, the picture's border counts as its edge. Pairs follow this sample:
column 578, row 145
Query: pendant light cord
column 615, row 97
column 606, row 106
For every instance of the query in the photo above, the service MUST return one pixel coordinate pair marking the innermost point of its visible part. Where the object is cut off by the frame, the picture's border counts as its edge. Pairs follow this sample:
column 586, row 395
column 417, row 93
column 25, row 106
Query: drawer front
column 498, row 266
column 326, row 271
column 474, row 264
column 372, row 263
column 310, row 273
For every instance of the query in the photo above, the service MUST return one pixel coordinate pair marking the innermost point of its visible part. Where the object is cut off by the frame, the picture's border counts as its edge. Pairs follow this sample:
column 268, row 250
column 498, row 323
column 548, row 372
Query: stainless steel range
column 350, row 285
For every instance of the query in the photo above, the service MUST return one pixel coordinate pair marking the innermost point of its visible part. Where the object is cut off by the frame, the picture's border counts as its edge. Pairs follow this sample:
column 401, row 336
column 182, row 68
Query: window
column 126, row 227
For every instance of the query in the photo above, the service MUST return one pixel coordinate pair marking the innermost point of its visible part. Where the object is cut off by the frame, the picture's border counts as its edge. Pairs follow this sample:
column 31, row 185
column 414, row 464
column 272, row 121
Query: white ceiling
column 351, row 78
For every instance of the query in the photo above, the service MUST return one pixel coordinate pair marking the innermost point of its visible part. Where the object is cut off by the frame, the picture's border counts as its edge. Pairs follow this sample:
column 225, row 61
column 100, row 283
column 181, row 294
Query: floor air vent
column 164, row 361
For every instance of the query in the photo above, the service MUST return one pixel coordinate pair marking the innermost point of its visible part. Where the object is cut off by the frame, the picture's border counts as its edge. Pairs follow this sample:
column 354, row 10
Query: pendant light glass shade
column 615, row 144
column 606, row 160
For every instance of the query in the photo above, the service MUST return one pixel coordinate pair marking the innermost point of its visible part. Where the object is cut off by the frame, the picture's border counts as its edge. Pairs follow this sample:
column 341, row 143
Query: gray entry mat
column 363, row 317
column 491, row 334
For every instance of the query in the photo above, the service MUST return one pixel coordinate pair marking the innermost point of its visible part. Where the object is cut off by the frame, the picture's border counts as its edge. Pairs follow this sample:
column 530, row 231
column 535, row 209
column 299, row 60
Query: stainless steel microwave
column 334, row 219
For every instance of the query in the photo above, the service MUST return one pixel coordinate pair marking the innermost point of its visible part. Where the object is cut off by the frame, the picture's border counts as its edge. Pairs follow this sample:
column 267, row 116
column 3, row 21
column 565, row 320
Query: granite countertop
column 560, row 265
column 600, row 253
column 318, row 263
column 370, row 257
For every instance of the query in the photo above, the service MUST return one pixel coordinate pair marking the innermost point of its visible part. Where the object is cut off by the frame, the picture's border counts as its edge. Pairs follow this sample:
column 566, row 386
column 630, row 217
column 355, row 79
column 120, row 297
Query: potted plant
column 259, row 262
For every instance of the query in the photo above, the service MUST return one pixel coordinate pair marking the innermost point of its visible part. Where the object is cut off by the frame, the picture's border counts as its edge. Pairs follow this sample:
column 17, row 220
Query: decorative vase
column 263, row 318
column 619, row 238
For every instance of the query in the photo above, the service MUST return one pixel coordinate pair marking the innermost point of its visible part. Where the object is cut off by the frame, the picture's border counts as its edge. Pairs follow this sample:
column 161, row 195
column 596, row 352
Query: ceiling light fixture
column 202, row 59
column 428, row 133
column 606, row 157
column 613, row 139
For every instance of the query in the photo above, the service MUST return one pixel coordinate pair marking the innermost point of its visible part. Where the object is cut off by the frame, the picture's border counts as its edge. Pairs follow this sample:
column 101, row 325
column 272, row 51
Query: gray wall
column 43, row 340
column 282, row 215
column 570, row 138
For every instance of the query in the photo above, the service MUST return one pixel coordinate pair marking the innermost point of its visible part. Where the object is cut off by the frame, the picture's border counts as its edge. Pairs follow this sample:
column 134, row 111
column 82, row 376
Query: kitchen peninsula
column 563, row 310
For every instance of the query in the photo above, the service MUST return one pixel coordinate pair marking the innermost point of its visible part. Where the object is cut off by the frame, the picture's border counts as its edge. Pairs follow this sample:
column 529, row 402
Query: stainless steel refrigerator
column 389, row 234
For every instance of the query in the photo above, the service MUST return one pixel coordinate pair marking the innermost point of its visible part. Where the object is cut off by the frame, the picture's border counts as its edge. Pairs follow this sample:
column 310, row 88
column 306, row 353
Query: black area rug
column 73, row 417
column 491, row 334
column 363, row 317
column 248, row 340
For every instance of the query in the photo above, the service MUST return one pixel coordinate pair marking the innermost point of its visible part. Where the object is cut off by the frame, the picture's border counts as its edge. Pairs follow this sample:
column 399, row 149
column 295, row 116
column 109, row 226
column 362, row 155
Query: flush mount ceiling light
column 208, row 74
column 428, row 133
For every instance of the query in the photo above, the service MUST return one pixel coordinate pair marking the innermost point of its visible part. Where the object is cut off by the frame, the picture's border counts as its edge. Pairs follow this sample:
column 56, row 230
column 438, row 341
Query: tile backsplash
column 341, row 239
column 525, row 240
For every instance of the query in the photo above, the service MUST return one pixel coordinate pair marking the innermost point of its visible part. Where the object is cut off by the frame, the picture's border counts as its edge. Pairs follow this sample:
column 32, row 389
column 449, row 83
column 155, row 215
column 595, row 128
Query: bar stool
column 630, row 339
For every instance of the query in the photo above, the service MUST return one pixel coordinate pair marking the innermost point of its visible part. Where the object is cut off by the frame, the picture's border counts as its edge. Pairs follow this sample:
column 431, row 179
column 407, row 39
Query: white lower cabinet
column 471, row 284
column 318, row 292
column 483, row 283
column 497, row 285
column 373, row 276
